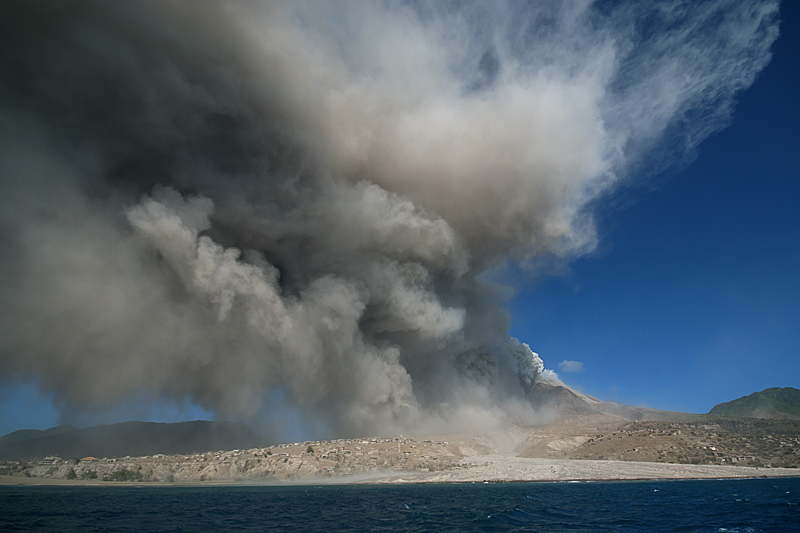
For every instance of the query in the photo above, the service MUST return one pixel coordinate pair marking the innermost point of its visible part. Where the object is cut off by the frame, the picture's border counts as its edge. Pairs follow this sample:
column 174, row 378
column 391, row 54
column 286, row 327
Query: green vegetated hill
column 777, row 403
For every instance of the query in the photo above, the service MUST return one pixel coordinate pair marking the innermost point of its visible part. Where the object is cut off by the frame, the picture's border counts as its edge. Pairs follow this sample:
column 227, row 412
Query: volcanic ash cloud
column 293, row 207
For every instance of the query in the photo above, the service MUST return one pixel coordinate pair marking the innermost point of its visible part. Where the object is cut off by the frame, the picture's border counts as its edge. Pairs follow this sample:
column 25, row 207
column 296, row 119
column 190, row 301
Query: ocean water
column 752, row 505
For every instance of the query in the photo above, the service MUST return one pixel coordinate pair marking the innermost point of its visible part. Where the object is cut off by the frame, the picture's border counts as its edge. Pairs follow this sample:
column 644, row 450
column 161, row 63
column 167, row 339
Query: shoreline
column 508, row 468
column 487, row 469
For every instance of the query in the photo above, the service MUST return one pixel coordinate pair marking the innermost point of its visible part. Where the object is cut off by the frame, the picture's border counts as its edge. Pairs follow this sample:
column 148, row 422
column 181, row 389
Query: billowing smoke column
column 293, row 206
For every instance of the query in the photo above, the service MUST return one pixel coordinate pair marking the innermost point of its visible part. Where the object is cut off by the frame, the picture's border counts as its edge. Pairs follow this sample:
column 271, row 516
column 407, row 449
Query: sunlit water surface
column 752, row 505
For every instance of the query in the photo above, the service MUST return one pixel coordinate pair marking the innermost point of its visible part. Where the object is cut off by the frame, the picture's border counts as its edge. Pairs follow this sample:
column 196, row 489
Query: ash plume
column 293, row 206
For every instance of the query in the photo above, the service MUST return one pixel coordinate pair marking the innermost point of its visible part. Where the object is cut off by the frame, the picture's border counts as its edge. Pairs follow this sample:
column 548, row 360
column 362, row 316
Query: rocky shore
column 340, row 459
column 597, row 447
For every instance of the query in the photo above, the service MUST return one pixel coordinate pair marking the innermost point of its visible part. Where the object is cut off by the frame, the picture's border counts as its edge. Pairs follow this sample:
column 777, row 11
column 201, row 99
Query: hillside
column 560, row 398
column 601, row 446
column 775, row 403
column 574, row 425
column 28, row 434
column 602, row 438
column 128, row 438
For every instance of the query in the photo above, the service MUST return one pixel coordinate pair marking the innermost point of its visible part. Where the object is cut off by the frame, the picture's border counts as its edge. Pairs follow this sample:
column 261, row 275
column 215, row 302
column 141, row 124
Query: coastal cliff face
column 307, row 460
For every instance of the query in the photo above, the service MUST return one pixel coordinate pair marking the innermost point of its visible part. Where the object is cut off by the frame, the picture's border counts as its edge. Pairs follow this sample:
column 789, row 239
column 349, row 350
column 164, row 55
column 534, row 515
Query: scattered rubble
column 310, row 459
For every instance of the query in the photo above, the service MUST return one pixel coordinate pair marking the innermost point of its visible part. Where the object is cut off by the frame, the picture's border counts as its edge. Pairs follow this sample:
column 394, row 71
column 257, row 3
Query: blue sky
column 693, row 297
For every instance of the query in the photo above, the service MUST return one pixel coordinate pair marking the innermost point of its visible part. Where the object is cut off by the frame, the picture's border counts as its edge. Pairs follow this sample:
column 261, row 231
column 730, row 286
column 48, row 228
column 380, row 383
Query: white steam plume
column 292, row 205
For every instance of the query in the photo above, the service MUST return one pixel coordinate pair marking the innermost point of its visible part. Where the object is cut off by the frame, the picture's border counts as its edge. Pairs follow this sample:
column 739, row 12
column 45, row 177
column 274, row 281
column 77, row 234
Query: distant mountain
column 560, row 398
column 567, row 402
column 776, row 403
column 128, row 438
column 27, row 434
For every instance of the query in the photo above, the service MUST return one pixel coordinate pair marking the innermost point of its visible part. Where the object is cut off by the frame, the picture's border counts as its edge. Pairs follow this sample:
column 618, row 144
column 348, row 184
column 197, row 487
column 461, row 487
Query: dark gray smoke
column 292, row 206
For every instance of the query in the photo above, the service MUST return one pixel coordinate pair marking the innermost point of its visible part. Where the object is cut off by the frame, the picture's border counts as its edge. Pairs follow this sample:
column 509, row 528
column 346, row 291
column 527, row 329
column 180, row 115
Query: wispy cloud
column 570, row 367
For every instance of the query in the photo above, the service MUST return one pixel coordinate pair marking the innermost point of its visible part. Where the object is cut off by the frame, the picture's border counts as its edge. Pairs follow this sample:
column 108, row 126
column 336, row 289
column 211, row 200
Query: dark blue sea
column 686, row 506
